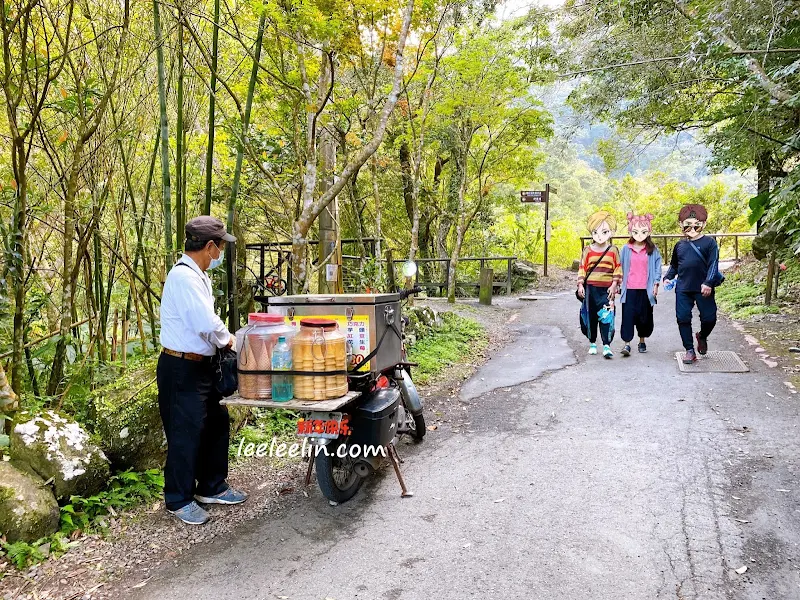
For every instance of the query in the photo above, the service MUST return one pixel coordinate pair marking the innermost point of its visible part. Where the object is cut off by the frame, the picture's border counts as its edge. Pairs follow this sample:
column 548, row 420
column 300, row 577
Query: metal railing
column 441, row 286
column 664, row 239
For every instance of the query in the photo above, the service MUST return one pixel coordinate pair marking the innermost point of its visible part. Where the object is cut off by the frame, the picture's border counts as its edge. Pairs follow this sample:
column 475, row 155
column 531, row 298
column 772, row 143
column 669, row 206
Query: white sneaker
column 593, row 349
column 607, row 353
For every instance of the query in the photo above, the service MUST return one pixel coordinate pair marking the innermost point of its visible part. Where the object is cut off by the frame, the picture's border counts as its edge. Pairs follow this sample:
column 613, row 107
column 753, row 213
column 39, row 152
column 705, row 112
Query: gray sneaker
column 192, row 514
column 229, row 496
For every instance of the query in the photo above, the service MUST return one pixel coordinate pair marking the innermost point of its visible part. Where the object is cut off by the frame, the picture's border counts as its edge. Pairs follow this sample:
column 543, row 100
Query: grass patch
column 456, row 338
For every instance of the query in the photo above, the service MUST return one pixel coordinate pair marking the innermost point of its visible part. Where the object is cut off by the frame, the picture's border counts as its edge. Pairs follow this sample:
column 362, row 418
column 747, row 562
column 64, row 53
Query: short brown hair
column 693, row 211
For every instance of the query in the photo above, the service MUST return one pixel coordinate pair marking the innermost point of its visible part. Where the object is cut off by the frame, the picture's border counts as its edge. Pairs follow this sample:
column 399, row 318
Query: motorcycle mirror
column 409, row 268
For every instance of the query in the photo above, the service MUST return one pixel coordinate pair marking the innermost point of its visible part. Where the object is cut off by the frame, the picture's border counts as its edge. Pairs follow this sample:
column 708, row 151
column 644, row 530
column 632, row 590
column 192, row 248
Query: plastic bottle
column 669, row 285
column 282, row 387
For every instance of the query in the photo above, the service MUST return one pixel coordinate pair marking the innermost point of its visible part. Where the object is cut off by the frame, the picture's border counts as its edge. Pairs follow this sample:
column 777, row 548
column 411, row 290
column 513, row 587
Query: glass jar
column 319, row 346
column 254, row 344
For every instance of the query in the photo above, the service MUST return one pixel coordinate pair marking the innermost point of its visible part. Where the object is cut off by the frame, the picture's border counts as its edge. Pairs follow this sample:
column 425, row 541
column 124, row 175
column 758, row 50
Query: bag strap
column 700, row 254
column 594, row 266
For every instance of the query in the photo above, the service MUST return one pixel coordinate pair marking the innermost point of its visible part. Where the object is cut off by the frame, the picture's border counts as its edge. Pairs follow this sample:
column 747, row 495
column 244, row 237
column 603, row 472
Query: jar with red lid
column 254, row 344
column 320, row 347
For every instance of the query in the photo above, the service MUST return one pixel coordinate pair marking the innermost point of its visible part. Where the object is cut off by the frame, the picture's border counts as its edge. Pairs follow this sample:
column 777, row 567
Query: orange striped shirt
column 607, row 272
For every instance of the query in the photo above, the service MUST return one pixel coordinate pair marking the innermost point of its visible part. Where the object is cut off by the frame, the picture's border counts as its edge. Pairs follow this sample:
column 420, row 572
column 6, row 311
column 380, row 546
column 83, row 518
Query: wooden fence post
column 736, row 246
column 508, row 277
column 485, row 282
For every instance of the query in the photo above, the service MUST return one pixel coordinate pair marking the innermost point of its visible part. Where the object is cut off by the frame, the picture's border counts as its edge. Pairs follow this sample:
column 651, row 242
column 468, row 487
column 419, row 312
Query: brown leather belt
column 186, row 355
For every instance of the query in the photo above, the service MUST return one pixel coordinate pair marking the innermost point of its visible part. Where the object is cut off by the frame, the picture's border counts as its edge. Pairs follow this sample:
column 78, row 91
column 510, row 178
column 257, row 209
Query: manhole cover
column 716, row 361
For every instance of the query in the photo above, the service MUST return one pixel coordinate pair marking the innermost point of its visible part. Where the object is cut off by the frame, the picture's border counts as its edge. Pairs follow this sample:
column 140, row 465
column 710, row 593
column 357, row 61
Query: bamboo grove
column 395, row 120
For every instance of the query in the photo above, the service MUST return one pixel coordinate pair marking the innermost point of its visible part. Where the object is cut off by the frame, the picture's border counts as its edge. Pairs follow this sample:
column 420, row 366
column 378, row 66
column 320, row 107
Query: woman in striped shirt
column 601, row 262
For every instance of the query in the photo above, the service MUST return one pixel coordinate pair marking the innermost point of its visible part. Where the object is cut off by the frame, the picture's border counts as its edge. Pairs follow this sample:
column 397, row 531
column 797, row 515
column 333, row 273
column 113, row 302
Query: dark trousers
column 197, row 429
column 598, row 298
column 636, row 312
column 684, row 303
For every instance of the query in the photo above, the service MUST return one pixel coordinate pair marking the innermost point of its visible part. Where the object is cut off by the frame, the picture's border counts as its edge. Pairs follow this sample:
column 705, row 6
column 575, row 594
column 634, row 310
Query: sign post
column 541, row 196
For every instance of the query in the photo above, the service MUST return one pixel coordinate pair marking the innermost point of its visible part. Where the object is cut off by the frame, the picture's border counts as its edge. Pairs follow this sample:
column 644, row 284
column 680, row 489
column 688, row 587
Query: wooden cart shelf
column 294, row 404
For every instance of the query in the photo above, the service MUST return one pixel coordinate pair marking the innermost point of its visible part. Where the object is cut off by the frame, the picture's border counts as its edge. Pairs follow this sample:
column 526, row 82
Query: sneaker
column 607, row 353
column 592, row 349
column 642, row 347
column 702, row 344
column 690, row 357
column 229, row 496
column 626, row 350
column 191, row 514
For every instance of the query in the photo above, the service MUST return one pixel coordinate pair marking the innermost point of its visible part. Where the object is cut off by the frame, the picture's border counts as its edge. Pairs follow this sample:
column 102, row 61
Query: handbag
column 718, row 278
column 594, row 266
column 226, row 376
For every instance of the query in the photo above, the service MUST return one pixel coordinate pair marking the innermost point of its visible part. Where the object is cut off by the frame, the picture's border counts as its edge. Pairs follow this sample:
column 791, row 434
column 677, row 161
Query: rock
column 28, row 509
column 576, row 265
column 55, row 447
column 128, row 423
column 524, row 268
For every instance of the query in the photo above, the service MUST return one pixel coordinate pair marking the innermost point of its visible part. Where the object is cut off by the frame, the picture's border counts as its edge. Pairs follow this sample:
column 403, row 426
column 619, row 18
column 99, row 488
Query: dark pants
column 684, row 303
column 598, row 298
column 636, row 312
column 197, row 429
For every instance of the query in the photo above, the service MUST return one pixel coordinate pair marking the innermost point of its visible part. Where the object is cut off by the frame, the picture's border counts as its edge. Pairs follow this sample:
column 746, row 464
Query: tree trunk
column 763, row 170
column 68, row 290
column 377, row 197
column 312, row 209
column 770, row 279
column 180, row 135
column 19, row 165
column 212, row 99
column 169, row 254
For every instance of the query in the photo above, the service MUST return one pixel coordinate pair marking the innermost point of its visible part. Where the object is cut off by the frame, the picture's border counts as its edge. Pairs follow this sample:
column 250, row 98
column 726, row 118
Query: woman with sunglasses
column 695, row 263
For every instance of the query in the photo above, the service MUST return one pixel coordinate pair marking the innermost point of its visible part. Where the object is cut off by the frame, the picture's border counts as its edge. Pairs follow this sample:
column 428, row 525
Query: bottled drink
column 669, row 285
column 282, row 388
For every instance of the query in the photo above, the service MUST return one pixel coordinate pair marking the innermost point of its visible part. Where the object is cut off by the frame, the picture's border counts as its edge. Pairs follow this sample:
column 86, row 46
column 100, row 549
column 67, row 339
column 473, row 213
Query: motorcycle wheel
column 336, row 477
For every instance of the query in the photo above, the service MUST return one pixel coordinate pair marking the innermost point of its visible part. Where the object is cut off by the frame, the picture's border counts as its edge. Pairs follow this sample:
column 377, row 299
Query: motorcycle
column 388, row 406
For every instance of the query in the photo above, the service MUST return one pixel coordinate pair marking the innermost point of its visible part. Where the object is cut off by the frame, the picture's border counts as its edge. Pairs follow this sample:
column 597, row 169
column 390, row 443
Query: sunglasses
column 692, row 227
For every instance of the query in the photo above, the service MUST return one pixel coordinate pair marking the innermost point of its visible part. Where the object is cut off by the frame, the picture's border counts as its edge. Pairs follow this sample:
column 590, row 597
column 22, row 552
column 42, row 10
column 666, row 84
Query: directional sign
column 533, row 195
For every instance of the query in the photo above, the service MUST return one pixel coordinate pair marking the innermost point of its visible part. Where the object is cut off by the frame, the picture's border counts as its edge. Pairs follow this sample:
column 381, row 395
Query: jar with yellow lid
column 319, row 347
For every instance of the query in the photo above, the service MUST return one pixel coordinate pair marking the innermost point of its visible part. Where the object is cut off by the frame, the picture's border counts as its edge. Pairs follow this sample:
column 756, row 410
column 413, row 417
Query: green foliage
column 455, row 339
column 82, row 515
column 267, row 424
column 124, row 491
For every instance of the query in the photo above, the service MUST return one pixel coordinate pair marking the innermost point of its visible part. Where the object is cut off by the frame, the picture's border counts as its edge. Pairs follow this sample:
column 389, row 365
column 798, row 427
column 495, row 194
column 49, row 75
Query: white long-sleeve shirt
column 188, row 320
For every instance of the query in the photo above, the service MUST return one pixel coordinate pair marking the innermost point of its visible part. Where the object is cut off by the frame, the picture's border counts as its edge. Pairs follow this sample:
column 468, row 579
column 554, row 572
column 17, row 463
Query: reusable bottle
column 282, row 388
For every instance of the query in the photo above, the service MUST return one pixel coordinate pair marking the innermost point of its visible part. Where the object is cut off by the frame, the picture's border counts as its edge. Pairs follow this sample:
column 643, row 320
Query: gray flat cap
column 204, row 228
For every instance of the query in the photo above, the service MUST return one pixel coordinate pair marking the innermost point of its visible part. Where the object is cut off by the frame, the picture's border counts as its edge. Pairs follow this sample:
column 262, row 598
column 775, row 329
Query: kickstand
column 308, row 471
column 396, row 464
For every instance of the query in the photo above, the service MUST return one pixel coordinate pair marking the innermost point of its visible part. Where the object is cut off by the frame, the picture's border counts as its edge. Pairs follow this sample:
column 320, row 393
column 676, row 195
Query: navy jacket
column 692, row 270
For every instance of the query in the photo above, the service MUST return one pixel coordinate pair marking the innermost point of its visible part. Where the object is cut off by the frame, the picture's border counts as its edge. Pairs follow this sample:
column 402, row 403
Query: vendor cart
column 348, row 436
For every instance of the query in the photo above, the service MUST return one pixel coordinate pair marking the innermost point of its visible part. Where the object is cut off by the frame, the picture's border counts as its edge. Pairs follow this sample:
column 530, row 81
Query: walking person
column 599, row 276
column 197, row 427
column 641, row 275
column 695, row 262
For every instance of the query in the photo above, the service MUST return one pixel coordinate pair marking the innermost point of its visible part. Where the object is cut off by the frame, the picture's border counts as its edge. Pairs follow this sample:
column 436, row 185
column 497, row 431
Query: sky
column 514, row 8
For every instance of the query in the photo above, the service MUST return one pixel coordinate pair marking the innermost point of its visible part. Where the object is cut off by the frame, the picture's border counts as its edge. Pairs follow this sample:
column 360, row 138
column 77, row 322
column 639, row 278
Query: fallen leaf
column 736, row 497
column 770, row 395
column 433, row 427
column 141, row 584
column 782, row 490
column 499, row 500
column 742, row 570
column 743, row 521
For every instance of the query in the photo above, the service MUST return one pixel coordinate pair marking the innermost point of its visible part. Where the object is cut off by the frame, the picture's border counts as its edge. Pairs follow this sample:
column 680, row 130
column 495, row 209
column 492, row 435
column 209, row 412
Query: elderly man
column 196, row 425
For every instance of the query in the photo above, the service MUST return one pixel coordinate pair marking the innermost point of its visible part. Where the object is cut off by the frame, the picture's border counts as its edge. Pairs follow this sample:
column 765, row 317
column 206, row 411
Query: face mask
column 215, row 262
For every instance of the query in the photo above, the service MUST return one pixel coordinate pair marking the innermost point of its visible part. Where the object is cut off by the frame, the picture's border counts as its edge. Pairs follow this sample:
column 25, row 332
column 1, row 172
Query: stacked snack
column 319, row 347
column 255, row 343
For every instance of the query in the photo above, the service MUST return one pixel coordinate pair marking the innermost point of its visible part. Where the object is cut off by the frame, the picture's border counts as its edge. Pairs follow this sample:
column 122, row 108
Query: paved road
column 621, row 480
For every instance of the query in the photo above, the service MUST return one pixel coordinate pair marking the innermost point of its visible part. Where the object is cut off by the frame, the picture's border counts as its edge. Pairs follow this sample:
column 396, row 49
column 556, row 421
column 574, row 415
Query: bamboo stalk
column 124, row 342
column 114, row 339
